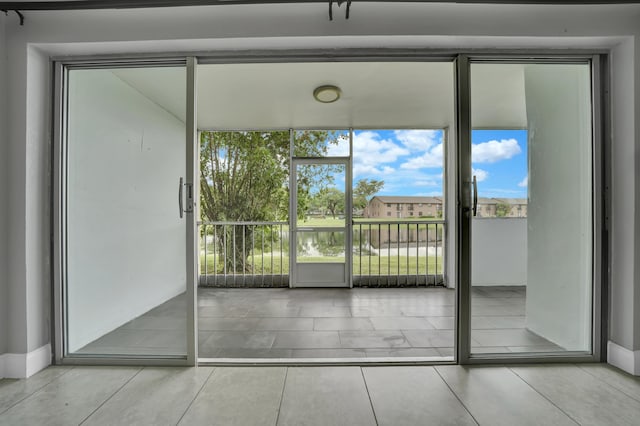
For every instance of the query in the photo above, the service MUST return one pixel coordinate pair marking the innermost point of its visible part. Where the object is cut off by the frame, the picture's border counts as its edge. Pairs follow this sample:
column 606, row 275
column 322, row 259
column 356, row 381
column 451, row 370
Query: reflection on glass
column 532, row 238
column 321, row 197
column 321, row 143
column 320, row 246
column 125, row 242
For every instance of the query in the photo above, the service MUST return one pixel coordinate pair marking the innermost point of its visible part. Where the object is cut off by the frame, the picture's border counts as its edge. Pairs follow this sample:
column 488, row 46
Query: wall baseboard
column 623, row 358
column 21, row 366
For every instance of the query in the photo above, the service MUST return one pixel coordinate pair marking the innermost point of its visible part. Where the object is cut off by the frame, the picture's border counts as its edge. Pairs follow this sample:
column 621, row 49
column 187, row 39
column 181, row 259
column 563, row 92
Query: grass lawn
column 364, row 230
column 373, row 265
column 316, row 221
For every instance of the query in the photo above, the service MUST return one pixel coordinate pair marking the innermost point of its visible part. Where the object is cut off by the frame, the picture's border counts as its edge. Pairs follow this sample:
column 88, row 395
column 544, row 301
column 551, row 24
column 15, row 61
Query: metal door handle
column 475, row 196
column 181, row 210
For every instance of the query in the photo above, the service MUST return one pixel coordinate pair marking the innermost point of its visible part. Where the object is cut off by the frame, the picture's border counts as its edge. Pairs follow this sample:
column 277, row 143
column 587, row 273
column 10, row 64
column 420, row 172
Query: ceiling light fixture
column 327, row 94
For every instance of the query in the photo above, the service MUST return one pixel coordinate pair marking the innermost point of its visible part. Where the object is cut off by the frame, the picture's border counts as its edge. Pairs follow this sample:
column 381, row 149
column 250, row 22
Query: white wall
column 559, row 211
column 126, row 240
column 624, row 326
column 625, row 85
column 636, row 302
column 499, row 247
column 4, row 176
column 412, row 25
column 38, row 204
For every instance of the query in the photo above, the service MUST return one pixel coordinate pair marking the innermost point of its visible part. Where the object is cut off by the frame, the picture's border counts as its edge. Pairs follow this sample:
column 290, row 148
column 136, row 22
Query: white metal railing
column 385, row 253
column 398, row 253
column 244, row 254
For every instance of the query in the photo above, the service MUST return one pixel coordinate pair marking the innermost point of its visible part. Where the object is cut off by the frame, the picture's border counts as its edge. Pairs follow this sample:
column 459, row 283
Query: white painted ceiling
column 381, row 95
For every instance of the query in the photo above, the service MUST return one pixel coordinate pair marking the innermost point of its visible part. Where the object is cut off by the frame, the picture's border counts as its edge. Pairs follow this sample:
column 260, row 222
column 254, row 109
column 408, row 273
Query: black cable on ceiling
column 17, row 12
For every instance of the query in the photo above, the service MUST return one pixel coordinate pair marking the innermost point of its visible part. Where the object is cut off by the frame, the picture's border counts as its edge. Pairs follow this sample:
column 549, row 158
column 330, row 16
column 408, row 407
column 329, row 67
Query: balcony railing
column 385, row 253
column 244, row 254
column 398, row 253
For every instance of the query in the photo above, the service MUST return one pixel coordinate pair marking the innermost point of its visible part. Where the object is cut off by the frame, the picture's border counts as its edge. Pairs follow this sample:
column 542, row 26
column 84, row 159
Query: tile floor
column 329, row 323
column 569, row 394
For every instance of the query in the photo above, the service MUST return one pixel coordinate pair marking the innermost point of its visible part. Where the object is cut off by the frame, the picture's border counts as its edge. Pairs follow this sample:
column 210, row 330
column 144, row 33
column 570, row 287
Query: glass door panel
column 532, row 235
column 320, row 246
column 125, row 277
column 320, row 221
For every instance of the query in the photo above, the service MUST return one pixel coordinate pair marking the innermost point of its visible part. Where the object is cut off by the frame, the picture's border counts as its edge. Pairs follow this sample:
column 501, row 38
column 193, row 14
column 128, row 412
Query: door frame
column 59, row 171
column 600, row 144
column 461, row 264
column 293, row 220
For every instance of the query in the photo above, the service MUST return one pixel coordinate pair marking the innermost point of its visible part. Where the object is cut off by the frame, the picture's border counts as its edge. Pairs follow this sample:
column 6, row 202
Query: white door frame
column 188, row 190
column 330, row 276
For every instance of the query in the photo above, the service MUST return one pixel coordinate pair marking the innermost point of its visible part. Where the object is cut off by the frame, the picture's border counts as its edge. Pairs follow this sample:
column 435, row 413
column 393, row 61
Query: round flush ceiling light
column 327, row 94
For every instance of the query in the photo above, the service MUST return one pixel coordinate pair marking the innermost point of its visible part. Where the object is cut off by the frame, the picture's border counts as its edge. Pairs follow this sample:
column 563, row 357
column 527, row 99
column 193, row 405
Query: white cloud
column 492, row 151
column 341, row 149
column 401, row 160
column 426, row 183
column 428, row 194
column 524, row 182
column 499, row 192
column 431, row 158
column 480, row 174
column 419, row 140
column 365, row 169
column 371, row 153
column 413, row 180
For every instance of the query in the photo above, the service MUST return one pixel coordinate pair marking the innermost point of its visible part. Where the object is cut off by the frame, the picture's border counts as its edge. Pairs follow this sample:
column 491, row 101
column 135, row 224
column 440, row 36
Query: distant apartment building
column 486, row 207
column 388, row 207
column 403, row 207
column 502, row 207
column 517, row 206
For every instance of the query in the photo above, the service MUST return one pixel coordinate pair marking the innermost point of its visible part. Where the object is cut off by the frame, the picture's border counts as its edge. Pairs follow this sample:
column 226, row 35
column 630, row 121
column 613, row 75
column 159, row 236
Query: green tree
column 244, row 177
column 502, row 209
column 329, row 200
column 364, row 190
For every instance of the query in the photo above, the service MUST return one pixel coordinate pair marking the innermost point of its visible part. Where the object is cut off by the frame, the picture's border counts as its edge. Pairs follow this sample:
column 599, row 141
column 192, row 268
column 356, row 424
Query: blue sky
column 411, row 161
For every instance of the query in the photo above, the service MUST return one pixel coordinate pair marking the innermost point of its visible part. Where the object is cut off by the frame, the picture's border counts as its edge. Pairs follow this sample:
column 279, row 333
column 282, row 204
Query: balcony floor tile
column 328, row 323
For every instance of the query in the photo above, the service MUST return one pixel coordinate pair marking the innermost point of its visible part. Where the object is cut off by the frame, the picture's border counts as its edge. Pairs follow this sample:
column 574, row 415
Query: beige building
column 431, row 207
column 486, row 207
column 403, row 207
column 502, row 207
column 517, row 206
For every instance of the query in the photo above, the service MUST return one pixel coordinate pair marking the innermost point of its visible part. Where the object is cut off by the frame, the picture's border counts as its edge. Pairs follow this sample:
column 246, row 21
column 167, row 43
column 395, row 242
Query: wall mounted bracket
column 339, row 4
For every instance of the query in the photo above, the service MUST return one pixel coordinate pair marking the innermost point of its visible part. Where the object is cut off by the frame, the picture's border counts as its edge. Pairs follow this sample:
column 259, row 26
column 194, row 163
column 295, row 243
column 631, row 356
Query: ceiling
column 109, row 4
column 374, row 94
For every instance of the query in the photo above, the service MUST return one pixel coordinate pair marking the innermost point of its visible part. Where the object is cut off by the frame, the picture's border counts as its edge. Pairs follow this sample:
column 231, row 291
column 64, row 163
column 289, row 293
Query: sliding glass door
column 126, row 211
column 484, row 197
column 529, row 171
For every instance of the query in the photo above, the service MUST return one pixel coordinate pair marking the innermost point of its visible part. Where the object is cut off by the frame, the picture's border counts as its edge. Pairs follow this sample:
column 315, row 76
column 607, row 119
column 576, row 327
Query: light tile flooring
column 570, row 394
column 329, row 323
